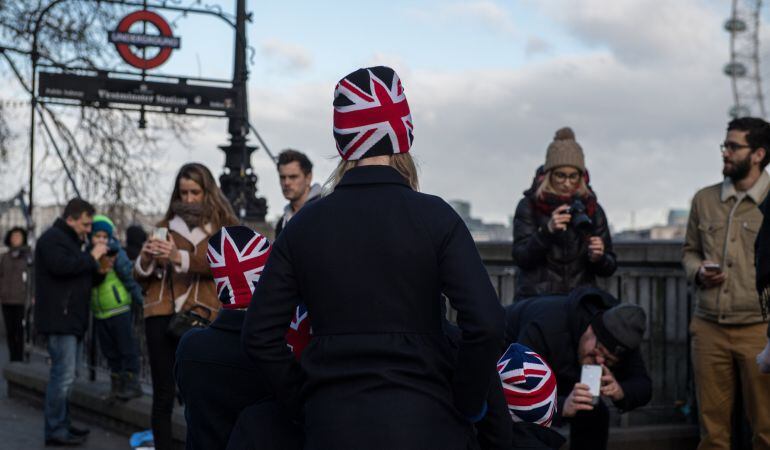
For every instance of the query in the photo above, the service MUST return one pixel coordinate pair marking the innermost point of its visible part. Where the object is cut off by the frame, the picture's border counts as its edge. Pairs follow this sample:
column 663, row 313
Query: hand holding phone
column 710, row 275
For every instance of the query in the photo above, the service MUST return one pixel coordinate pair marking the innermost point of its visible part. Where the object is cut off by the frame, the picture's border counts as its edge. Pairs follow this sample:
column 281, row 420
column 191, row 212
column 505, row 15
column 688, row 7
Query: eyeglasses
column 731, row 147
column 561, row 176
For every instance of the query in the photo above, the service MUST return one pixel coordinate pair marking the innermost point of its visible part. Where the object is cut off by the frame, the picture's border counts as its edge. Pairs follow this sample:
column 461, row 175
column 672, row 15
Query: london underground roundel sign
column 130, row 45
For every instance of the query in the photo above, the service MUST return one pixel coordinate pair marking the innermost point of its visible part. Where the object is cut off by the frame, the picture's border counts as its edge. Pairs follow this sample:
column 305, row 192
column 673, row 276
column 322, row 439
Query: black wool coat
column 556, row 263
column 552, row 327
column 370, row 261
column 63, row 278
column 216, row 380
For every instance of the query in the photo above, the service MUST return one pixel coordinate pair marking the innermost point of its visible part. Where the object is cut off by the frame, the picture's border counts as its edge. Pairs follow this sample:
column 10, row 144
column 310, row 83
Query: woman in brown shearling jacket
column 176, row 278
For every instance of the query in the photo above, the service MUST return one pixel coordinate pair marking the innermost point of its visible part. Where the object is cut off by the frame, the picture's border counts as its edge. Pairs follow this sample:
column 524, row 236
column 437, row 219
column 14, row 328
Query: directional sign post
column 102, row 91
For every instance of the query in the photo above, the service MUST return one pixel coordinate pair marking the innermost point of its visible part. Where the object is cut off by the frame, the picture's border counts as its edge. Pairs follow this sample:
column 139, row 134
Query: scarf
column 191, row 213
column 546, row 204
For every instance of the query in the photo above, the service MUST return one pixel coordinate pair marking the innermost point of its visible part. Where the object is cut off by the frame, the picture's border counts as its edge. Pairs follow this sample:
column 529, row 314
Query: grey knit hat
column 620, row 328
column 564, row 151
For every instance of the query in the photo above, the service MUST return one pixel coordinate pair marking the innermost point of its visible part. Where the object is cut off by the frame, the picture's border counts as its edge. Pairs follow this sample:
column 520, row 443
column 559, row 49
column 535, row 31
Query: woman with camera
column 561, row 239
column 180, row 290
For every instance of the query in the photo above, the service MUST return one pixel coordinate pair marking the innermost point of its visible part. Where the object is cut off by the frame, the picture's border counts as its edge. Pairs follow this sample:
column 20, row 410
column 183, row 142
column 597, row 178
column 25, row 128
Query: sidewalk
column 21, row 423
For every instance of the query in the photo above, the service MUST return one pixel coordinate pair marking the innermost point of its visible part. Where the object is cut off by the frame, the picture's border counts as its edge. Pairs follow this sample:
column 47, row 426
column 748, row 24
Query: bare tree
column 109, row 158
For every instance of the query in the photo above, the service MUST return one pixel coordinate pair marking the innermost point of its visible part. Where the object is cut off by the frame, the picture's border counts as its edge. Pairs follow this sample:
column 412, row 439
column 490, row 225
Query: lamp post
column 239, row 182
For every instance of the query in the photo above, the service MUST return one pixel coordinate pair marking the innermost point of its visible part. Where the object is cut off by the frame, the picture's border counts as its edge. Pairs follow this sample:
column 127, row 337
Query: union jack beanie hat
column 529, row 385
column 237, row 256
column 371, row 114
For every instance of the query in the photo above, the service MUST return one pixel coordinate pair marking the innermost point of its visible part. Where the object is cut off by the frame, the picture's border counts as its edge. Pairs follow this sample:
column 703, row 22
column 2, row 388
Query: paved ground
column 21, row 424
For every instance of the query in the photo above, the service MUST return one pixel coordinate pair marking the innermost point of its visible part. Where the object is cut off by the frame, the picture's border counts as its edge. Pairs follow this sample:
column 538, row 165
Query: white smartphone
column 591, row 375
column 160, row 233
column 712, row 267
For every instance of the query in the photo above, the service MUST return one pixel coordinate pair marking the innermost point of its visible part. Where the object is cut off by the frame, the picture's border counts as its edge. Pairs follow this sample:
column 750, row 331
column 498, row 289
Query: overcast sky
column 488, row 82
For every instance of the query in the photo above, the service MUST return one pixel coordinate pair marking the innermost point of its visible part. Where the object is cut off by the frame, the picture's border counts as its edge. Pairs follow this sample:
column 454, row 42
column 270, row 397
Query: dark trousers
column 162, row 351
column 589, row 430
column 265, row 426
column 14, row 316
column 118, row 343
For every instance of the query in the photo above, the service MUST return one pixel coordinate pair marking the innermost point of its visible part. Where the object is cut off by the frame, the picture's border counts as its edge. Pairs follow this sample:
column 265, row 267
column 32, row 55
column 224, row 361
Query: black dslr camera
column 580, row 220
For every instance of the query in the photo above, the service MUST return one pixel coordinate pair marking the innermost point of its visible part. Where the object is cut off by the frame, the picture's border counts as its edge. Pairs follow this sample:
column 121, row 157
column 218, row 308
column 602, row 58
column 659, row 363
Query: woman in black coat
column 561, row 239
column 371, row 261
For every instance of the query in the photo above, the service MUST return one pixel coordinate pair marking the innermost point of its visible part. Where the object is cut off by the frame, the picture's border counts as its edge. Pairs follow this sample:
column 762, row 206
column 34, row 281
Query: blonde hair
column 546, row 187
column 402, row 162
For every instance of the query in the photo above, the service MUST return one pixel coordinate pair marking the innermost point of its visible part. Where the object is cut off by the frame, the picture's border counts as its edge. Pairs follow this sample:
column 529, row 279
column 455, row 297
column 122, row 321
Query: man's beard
column 739, row 170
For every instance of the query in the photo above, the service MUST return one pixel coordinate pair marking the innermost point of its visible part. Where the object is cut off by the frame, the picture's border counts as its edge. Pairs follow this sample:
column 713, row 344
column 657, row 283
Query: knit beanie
column 237, row 256
column 564, row 151
column 371, row 114
column 103, row 223
column 529, row 385
column 620, row 328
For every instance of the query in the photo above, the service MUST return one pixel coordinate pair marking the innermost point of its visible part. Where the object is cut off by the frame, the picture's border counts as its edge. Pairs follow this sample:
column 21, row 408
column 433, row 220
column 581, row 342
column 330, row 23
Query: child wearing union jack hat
column 237, row 256
column 529, row 386
column 217, row 380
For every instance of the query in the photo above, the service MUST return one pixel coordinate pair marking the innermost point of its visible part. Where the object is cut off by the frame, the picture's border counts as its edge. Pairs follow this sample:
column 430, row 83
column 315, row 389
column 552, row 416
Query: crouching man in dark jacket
column 216, row 379
column 588, row 326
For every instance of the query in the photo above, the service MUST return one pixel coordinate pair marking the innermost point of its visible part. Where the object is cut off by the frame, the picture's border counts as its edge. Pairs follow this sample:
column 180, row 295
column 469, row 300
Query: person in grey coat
column 15, row 269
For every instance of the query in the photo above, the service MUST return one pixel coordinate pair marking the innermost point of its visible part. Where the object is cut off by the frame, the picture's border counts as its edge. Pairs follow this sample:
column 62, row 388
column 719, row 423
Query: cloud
column 644, row 31
column 537, row 46
column 486, row 13
column 289, row 57
column 649, row 134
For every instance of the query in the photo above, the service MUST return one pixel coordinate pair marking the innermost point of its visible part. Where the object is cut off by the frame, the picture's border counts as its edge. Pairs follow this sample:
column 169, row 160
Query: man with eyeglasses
column 585, row 327
column 727, row 328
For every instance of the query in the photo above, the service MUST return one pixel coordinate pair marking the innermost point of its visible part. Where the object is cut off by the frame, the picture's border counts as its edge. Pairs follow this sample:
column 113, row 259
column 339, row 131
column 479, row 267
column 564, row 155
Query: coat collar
column 315, row 193
column 372, row 175
column 62, row 225
column 195, row 235
column 756, row 193
column 229, row 320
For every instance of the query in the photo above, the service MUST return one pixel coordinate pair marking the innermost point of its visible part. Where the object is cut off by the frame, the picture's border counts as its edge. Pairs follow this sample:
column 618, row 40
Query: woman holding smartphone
column 173, row 268
column 561, row 239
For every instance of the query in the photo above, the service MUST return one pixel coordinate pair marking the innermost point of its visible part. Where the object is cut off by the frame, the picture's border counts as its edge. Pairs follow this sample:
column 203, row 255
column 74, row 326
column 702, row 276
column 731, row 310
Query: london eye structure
column 744, row 68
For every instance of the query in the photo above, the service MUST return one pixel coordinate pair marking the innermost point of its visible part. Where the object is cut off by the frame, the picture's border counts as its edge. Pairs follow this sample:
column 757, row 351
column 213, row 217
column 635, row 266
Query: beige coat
column 723, row 226
column 182, row 287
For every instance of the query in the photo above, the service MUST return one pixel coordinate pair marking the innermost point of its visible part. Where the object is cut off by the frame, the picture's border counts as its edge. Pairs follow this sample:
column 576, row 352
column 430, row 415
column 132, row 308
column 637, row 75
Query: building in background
column 674, row 229
column 481, row 231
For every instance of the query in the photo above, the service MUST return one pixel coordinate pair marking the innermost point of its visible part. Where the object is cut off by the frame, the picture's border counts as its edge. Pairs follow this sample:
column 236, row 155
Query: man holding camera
column 64, row 274
column 587, row 327
column 727, row 328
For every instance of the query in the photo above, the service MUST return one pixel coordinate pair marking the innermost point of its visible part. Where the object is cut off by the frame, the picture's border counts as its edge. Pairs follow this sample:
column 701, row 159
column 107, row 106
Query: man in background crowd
column 63, row 281
column 296, row 174
column 727, row 328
